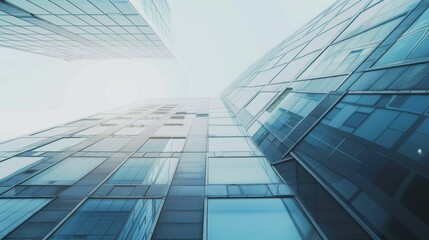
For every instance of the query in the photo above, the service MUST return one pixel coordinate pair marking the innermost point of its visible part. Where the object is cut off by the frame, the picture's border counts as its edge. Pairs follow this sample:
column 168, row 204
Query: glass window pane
column 93, row 131
column 225, row 131
column 222, row 121
column 131, row 131
column 228, row 144
column 255, row 219
column 259, row 102
column 13, row 212
column 53, row 131
column 412, row 45
column 108, row 145
column 66, row 172
column 111, row 219
column 145, row 171
column 240, row 171
column 163, row 145
column 60, row 145
column 19, row 143
column 13, row 165
column 174, row 131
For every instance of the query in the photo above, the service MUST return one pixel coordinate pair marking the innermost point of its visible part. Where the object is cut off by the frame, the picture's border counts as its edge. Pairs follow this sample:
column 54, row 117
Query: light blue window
column 145, row 171
column 231, row 144
column 111, row 219
column 222, row 121
column 93, row 130
column 60, row 145
column 257, row 218
column 131, row 131
column 54, row 131
column 66, row 172
column 15, row 164
column 163, row 145
column 259, row 102
column 13, row 212
column 20, row 143
column 108, row 145
column 246, row 170
column 225, row 131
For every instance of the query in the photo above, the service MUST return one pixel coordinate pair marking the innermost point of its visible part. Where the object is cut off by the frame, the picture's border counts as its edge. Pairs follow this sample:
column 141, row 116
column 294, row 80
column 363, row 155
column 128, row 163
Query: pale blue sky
column 214, row 41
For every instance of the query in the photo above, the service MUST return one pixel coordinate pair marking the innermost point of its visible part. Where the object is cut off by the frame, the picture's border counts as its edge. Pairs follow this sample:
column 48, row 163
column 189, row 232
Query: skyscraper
column 87, row 29
column 340, row 109
column 324, row 137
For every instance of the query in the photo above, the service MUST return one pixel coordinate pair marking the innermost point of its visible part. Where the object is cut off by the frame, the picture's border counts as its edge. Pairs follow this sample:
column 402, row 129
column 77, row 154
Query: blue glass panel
column 66, row 172
column 111, row 219
column 13, row 212
column 145, row 171
column 255, row 219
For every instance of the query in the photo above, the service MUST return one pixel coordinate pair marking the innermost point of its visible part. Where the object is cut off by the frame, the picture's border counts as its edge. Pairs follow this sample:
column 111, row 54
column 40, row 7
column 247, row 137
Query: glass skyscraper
column 324, row 137
column 87, row 29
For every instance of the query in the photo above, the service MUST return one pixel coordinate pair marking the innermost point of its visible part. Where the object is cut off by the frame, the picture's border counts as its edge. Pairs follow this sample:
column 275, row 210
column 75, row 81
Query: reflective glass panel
column 257, row 218
column 248, row 170
column 19, row 143
column 13, row 165
column 163, row 145
column 111, row 219
column 227, row 144
column 225, row 131
column 145, row 171
column 412, row 45
column 13, row 212
column 66, row 172
column 108, row 145
column 60, row 145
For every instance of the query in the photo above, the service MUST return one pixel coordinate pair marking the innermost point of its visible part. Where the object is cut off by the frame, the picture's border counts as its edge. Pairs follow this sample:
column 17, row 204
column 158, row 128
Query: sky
column 213, row 41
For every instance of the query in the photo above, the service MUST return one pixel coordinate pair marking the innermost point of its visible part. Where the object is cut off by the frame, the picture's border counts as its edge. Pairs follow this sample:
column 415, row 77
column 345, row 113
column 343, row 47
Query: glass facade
column 324, row 137
column 339, row 109
column 87, row 29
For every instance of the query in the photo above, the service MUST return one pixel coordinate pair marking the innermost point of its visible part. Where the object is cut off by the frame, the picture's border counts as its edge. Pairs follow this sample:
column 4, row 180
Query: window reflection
column 240, row 171
column 257, row 218
column 145, row 171
column 66, row 172
column 366, row 147
column 111, row 219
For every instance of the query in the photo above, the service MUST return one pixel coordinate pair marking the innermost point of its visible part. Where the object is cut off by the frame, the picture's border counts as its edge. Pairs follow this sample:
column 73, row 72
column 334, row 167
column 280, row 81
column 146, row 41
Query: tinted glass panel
column 259, row 218
column 145, row 171
column 13, row 212
column 240, row 171
column 66, row 172
column 111, row 219
column 12, row 165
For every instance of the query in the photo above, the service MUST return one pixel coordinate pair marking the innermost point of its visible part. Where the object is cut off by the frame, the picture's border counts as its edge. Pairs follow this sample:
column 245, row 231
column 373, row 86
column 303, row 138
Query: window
column 175, row 131
column 17, row 144
column 222, row 121
column 60, row 145
column 345, row 56
column 145, row 171
column 66, row 172
column 93, row 130
column 225, row 131
column 248, row 170
column 412, row 45
column 53, row 131
column 130, row 131
column 256, row 218
column 108, row 145
column 259, row 102
column 231, row 144
column 13, row 165
column 13, row 212
column 163, row 145
column 111, row 219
